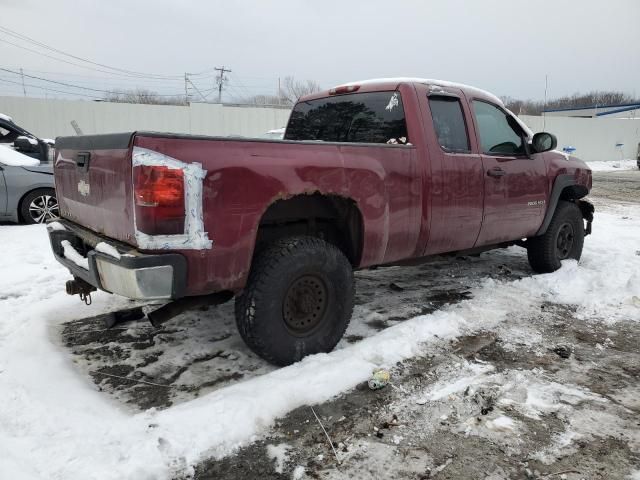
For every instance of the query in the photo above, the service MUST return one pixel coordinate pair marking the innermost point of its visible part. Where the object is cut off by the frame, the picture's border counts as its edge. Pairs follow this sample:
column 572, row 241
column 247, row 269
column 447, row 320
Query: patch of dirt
column 394, row 433
column 201, row 351
column 620, row 186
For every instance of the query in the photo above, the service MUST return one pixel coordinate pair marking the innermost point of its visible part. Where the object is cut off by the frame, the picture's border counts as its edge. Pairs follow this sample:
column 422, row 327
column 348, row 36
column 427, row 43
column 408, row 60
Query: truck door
column 515, row 184
column 456, row 173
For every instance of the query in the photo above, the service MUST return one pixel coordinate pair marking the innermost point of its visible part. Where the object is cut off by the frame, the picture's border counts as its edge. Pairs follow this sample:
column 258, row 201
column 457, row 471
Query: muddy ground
column 620, row 186
column 418, row 427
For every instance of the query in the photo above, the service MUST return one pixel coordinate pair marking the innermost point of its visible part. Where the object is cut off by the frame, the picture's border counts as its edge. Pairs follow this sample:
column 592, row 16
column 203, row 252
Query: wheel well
column 335, row 219
column 573, row 192
column 25, row 195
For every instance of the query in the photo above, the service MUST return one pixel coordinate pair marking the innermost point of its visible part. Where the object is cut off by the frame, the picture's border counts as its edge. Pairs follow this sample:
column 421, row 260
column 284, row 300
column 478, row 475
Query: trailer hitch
column 77, row 286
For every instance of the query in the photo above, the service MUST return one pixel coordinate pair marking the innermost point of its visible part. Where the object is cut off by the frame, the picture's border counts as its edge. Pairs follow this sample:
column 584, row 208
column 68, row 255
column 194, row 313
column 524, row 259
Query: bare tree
column 577, row 100
column 290, row 91
column 143, row 96
column 293, row 89
column 264, row 100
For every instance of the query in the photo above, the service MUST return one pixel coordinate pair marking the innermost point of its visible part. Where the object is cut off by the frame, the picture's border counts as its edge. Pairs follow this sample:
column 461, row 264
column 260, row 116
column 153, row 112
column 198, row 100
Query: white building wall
column 594, row 138
column 52, row 118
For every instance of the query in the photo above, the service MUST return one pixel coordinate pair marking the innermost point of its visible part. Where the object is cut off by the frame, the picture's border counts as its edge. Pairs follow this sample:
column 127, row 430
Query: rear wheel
column 563, row 239
column 298, row 300
column 39, row 206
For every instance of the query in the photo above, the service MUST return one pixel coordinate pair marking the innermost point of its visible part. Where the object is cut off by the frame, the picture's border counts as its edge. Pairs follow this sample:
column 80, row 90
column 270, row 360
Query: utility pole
column 186, row 88
column 24, row 90
column 544, row 110
column 221, row 79
column 279, row 93
column 196, row 89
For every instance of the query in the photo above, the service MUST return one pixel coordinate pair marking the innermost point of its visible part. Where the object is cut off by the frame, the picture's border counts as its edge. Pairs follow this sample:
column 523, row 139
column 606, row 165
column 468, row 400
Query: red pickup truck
column 368, row 173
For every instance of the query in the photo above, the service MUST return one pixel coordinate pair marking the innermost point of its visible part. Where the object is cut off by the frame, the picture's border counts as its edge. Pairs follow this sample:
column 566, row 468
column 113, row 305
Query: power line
column 122, row 72
column 75, row 86
column 95, row 78
column 68, row 62
column 50, row 89
column 53, row 49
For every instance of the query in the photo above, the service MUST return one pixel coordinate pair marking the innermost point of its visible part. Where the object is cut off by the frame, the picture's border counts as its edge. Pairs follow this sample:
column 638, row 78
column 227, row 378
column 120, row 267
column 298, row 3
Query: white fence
column 52, row 118
column 593, row 138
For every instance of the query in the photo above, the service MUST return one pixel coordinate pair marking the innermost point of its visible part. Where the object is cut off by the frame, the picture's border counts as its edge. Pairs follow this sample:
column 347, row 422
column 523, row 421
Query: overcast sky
column 505, row 46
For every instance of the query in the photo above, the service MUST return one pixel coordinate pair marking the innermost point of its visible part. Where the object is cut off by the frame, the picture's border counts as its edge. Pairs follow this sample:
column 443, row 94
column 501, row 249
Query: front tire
column 39, row 206
column 563, row 239
column 298, row 300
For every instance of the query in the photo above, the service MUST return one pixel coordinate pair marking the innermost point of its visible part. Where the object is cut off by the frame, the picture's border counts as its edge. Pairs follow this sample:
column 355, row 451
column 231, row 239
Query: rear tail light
column 159, row 199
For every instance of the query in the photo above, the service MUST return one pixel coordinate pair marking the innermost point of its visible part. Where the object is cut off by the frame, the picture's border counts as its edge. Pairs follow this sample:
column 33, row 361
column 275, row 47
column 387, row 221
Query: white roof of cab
column 428, row 81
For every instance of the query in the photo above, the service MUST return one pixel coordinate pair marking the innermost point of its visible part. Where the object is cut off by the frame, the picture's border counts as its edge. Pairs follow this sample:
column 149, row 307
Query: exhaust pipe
column 170, row 310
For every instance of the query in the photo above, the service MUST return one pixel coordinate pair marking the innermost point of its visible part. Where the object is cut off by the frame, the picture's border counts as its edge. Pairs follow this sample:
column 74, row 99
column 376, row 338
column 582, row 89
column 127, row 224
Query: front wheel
column 39, row 206
column 298, row 300
column 563, row 239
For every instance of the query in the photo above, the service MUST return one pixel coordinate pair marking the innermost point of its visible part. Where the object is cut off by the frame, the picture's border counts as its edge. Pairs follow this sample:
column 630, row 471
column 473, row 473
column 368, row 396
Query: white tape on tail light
column 194, row 236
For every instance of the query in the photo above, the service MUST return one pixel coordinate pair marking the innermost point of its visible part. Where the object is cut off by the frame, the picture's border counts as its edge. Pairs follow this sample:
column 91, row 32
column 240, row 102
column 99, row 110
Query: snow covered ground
column 613, row 165
column 55, row 422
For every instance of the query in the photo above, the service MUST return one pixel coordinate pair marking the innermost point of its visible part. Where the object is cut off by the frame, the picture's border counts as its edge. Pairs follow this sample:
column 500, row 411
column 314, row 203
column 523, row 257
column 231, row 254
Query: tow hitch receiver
column 77, row 286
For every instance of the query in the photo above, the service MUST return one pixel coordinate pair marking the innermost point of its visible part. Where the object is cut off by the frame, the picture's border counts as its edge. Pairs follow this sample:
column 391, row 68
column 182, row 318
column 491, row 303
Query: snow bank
column 613, row 165
column 604, row 284
column 10, row 157
column 55, row 424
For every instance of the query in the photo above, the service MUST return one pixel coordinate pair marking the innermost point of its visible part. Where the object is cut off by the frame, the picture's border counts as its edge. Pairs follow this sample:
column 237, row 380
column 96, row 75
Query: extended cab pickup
column 368, row 173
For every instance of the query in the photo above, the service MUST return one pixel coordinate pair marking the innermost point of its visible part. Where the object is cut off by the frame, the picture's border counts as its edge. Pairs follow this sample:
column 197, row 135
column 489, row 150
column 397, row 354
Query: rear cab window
column 449, row 124
column 373, row 117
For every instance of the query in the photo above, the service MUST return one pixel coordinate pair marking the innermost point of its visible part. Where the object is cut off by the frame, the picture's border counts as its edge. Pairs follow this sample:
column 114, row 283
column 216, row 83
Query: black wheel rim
column 305, row 304
column 564, row 242
column 43, row 208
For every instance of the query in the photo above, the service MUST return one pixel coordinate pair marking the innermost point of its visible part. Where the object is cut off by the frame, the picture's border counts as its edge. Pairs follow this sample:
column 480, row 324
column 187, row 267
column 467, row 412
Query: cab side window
column 497, row 136
column 449, row 124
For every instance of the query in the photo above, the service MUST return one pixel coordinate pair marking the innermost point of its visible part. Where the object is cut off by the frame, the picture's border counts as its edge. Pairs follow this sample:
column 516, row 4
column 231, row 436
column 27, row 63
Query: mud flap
column 587, row 210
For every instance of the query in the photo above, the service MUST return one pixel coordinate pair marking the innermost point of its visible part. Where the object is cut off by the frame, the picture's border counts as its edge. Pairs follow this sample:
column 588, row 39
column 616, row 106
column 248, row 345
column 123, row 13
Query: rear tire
column 39, row 206
column 563, row 239
column 298, row 300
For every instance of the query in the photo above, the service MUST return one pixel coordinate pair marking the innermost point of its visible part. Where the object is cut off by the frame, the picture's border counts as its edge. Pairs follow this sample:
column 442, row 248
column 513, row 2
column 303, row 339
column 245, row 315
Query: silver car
column 27, row 191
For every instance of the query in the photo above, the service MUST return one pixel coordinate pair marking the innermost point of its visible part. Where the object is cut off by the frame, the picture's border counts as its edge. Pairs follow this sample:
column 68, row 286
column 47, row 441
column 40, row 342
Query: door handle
column 496, row 172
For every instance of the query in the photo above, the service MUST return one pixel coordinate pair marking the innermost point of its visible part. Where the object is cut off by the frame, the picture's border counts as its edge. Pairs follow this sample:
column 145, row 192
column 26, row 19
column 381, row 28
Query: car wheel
column 298, row 300
column 563, row 239
column 39, row 206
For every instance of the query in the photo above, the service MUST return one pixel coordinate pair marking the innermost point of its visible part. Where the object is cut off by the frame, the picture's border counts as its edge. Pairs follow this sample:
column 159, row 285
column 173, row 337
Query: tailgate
column 94, row 185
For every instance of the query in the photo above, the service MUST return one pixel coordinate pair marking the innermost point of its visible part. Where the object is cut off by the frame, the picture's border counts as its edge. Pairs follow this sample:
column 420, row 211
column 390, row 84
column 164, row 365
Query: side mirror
column 25, row 144
column 543, row 142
